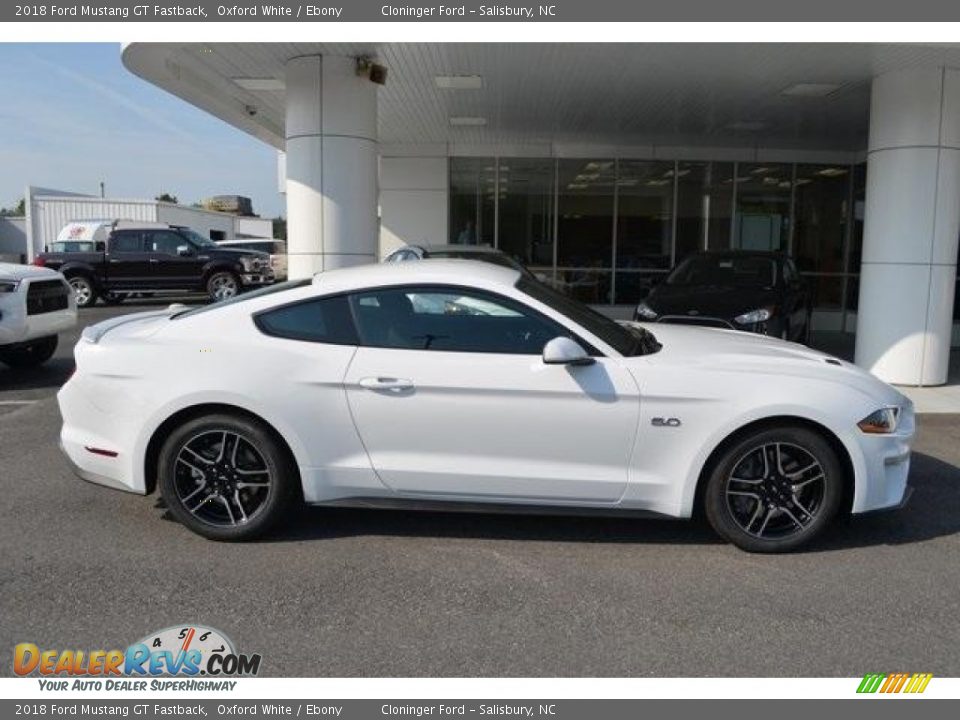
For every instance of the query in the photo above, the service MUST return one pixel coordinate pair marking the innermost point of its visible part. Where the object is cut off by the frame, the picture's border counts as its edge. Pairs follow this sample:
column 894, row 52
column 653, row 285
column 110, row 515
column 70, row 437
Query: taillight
column 39, row 261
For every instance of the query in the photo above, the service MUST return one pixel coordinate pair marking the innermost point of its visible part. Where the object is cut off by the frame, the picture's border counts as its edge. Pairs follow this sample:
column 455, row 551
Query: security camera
column 251, row 110
column 374, row 72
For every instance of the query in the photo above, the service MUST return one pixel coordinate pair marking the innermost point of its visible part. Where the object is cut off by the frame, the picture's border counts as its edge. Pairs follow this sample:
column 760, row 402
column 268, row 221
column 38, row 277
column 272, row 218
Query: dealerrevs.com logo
column 179, row 651
column 888, row 683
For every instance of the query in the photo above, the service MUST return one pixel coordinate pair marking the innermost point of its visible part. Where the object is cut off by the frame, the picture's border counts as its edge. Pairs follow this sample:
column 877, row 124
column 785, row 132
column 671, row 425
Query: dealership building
column 603, row 165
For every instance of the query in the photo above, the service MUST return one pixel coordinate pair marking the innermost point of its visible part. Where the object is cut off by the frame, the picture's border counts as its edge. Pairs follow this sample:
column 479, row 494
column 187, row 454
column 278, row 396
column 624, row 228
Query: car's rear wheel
column 774, row 489
column 223, row 286
column 83, row 290
column 226, row 477
column 31, row 355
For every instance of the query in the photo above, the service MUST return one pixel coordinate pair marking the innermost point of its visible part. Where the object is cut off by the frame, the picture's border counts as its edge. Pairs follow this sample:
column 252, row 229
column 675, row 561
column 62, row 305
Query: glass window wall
column 526, row 212
column 605, row 230
column 763, row 196
column 472, row 201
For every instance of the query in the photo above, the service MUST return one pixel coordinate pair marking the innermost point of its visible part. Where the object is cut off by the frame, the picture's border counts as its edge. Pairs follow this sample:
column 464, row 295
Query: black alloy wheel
column 226, row 477
column 774, row 490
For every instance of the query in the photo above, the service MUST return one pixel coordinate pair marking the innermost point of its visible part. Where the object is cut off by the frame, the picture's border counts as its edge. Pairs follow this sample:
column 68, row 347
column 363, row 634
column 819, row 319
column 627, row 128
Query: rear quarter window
column 319, row 320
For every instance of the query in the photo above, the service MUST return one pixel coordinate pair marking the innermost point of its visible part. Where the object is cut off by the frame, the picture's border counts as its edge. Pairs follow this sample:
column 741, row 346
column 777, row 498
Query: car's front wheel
column 223, row 285
column 29, row 356
column 774, row 489
column 226, row 477
column 83, row 290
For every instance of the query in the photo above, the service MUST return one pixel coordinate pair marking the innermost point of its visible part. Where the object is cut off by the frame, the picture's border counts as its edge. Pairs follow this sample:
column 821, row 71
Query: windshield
column 628, row 340
column 732, row 269
column 197, row 239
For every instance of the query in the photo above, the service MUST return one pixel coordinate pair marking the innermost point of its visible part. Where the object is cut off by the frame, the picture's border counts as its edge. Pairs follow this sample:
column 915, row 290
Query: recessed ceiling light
column 259, row 83
column 811, row 89
column 458, row 82
column 465, row 121
column 832, row 172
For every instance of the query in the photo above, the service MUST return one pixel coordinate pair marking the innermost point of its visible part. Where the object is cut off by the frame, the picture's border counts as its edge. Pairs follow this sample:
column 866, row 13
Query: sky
column 72, row 116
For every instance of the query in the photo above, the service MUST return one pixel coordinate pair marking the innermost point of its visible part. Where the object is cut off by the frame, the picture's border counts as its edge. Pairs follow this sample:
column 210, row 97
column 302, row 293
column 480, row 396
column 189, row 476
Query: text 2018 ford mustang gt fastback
column 457, row 384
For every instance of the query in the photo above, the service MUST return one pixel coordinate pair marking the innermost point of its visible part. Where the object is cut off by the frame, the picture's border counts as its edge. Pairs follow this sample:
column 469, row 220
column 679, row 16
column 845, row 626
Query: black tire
column 84, row 290
column 223, row 285
column 32, row 355
column 217, row 509
column 788, row 509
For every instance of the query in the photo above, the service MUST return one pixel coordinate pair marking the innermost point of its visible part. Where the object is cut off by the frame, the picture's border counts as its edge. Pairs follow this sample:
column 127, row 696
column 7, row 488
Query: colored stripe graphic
column 894, row 683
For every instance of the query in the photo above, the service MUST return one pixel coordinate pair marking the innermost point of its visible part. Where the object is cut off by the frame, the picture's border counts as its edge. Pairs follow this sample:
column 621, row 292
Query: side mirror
column 564, row 351
column 184, row 250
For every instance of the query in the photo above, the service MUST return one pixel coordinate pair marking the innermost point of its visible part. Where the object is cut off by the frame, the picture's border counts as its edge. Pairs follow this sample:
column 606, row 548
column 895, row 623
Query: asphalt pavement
column 388, row 593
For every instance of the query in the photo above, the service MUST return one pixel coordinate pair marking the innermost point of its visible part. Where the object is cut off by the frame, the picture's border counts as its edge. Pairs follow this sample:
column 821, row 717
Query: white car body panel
column 425, row 440
column 16, row 325
column 474, row 427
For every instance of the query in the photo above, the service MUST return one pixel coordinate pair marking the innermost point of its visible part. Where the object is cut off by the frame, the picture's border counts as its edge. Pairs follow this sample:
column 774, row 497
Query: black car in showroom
column 760, row 292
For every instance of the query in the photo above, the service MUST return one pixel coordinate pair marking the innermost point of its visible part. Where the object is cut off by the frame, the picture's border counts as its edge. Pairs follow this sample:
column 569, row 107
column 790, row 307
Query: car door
column 127, row 265
column 168, row 268
column 451, row 398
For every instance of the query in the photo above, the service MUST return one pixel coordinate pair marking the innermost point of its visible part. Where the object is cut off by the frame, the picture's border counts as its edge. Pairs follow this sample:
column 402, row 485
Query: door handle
column 386, row 383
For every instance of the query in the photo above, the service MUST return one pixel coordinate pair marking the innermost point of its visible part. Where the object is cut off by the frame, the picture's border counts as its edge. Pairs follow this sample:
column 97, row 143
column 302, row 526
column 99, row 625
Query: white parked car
column 390, row 385
column 35, row 305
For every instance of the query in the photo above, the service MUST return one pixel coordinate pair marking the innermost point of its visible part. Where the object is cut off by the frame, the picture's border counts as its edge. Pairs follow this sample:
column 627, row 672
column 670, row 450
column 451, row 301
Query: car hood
column 722, row 301
column 738, row 352
column 14, row 271
column 237, row 253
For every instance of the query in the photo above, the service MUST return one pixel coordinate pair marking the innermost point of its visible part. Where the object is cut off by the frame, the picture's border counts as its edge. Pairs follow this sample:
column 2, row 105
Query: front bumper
column 254, row 279
column 886, row 467
column 16, row 326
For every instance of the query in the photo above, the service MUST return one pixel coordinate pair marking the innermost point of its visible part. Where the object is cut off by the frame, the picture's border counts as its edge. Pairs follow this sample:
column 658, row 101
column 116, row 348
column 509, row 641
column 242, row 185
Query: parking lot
column 354, row 592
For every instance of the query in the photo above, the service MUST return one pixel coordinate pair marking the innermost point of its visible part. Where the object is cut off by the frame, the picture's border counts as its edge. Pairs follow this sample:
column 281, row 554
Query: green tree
column 167, row 198
column 18, row 210
column 280, row 228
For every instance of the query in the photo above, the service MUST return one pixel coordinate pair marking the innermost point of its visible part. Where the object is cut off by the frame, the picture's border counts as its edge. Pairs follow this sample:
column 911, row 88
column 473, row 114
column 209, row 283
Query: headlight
column 880, row 422
column 8, row 286
column 646, row 312
column 251, row 263
column 754, row 316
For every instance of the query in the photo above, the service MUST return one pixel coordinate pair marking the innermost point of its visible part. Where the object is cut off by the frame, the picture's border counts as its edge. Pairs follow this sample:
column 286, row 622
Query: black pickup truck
column 155, row 259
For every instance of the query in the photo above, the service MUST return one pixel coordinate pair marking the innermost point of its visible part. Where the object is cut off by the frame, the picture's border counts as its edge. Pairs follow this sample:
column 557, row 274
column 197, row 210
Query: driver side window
column 448, row 319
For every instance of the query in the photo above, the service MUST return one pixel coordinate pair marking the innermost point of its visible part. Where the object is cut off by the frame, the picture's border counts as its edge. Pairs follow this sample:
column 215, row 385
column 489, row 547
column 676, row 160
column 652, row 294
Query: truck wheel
column 223, row 285
column 83, row 290
column 31, row 355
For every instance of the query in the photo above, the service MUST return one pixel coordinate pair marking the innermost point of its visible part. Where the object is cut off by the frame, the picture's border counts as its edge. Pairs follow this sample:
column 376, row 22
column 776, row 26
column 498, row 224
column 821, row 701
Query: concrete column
column 331, row 165
column 414, row 194
column 911, row 227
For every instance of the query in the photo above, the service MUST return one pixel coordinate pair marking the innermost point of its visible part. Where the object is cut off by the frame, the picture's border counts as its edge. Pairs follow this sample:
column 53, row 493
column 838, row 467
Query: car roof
column 443, row 272
column 464, row 249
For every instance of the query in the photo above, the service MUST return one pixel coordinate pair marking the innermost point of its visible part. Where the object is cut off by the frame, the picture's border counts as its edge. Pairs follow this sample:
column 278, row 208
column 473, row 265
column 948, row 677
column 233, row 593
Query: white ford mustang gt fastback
column 462, row 385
